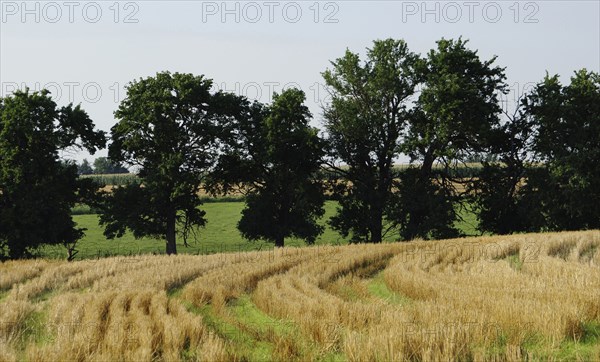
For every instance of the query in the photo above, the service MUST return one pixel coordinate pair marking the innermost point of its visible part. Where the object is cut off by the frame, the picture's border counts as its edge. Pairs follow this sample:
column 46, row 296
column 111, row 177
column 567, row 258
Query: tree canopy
column 373, row 118
column 548, row 178
column 365, row 122
column 456, row 115
column 37, row 188
column 168, row 127
column 275, row 155
column 533, row 170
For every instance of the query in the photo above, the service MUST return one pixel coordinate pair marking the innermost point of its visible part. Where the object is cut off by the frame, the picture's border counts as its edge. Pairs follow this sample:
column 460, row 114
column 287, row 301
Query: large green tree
column 168, row 127
column 456, row 115
column 547, row 177
column 566, row 120
column 365, row 123
column 500, row 192
column 274, row 156
column 374, row 118
column 37, row 188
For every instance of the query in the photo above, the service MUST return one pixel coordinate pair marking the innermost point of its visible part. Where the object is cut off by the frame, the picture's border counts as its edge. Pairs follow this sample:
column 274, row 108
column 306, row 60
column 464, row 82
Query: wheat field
column 530, row 296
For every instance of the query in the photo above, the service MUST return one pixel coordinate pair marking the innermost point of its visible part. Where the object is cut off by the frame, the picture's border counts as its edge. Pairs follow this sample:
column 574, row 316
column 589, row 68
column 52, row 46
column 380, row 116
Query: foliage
column 104, row 166
column 567, row 141
column 168, row 127
column 85, row 168
column 456, row 116
column 548, row 174
column 504, row 204
column 536, row 169
column 276, row 155
column 37, row 189
column 373, row 118
column 430, row 200
column 364, row 122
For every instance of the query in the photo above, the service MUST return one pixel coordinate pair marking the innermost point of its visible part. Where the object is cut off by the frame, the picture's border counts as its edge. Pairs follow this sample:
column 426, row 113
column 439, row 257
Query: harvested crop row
column 14, row 272
column 299, row 294
column 224, row 284
column 131, row 325
column 490, row 298
column 486, row 292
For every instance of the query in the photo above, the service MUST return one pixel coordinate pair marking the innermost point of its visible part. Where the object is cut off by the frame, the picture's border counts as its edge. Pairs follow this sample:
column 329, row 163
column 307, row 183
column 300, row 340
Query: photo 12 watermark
column 270, row 12
column 263, row 91
column 470, row 12
column 70, row 91
column 70, row 12
column 472, row 251
column 515, row 94
column 91, row 92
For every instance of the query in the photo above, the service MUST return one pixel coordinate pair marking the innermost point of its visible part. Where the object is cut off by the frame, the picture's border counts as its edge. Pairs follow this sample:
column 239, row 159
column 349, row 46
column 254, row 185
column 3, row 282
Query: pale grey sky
column 86, row 51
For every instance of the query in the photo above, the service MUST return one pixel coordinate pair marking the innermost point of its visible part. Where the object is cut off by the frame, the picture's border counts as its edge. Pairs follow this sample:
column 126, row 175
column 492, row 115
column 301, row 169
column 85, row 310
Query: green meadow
column 219, row 235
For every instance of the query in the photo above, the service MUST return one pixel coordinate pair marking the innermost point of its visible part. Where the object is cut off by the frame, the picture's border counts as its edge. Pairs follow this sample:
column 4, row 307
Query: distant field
column 460, row 170
column 531, row 296
column 220, row 235
column 116, row 179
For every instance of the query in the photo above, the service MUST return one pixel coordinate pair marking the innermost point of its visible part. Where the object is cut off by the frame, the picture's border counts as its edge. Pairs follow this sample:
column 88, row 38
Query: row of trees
column 548, row 177
column 437, row 110
column 539, row 168
column 183, row 137
column 102, row 166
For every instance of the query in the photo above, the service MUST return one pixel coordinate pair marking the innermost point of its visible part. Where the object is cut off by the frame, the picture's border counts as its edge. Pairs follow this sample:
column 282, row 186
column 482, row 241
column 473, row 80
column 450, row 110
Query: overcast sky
column 86, row 52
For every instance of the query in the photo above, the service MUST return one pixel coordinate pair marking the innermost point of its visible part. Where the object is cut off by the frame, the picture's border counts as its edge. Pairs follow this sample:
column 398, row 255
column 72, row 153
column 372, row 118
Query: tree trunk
column 427, row 166
column 418, row 213
column 16, row 249
column 376, row 228
column 279, row 242
column 282, row 216
column 171, row 237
